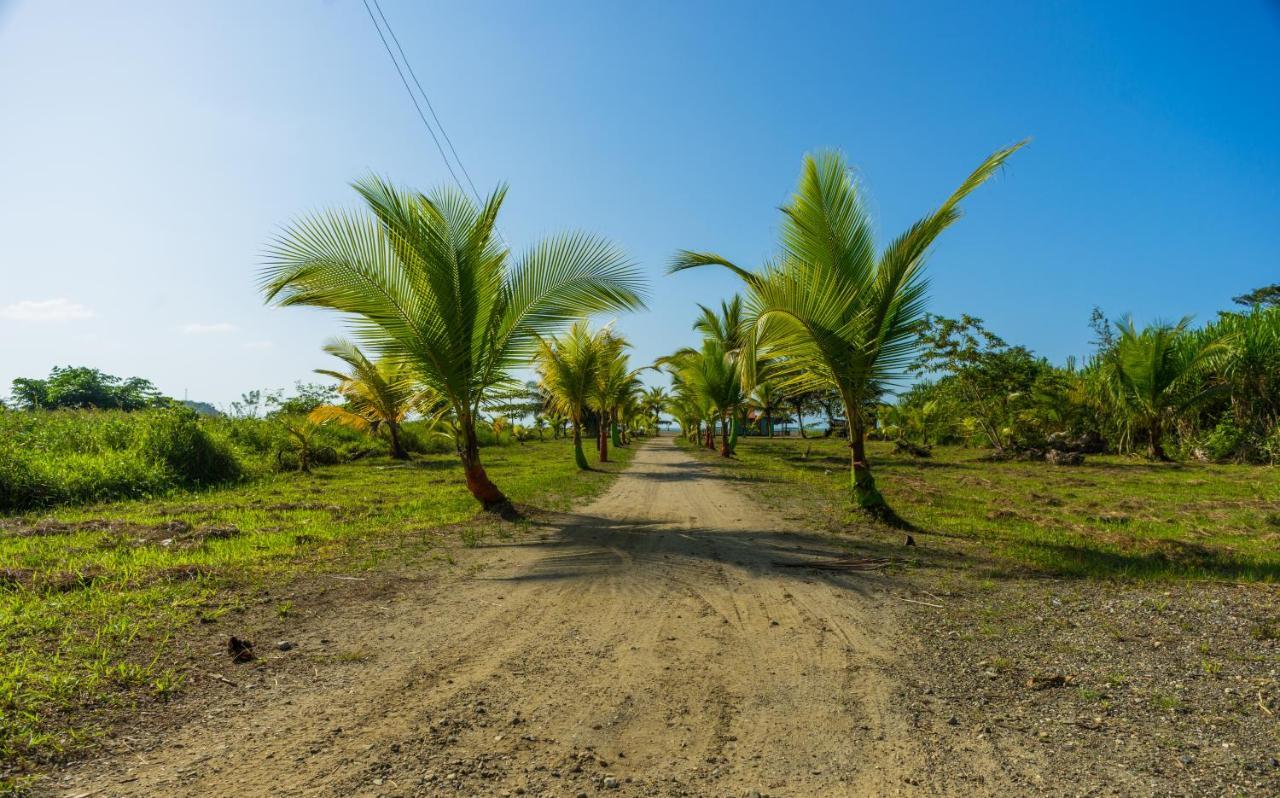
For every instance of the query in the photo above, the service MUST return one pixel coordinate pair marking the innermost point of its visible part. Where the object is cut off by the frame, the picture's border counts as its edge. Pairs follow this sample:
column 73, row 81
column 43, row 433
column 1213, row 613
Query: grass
column 94, row 598
column 1111, row 517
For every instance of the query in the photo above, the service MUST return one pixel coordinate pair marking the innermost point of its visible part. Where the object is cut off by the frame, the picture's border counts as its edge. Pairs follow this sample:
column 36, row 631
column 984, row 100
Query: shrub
column 174, row 438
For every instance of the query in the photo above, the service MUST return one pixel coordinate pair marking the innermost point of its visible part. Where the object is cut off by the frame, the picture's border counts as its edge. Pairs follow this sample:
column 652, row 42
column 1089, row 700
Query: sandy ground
column 654, row 643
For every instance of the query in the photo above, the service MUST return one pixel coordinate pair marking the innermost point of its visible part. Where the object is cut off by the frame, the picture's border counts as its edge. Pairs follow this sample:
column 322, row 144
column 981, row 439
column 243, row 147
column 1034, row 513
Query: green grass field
column 1112, row 517
column 92, row 598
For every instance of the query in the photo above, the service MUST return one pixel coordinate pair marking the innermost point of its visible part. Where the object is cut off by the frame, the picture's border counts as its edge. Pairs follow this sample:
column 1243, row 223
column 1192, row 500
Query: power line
column 412, row 97
column 427, row 99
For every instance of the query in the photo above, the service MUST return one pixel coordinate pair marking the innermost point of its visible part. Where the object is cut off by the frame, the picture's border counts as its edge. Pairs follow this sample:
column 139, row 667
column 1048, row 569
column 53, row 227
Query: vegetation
column 378, row 396
column 94, row 600
column 832, row 311
column 426, row 282
column 80, row 387
column 1110, row 518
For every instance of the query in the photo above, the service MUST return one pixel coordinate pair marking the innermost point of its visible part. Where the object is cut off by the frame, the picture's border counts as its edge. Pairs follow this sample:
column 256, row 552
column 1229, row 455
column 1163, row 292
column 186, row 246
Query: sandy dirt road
column 653, row 643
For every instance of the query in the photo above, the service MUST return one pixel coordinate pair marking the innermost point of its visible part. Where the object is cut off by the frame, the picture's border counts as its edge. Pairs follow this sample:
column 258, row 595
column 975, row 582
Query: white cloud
column 60, row 309
column 258, row 345
column 209, row 329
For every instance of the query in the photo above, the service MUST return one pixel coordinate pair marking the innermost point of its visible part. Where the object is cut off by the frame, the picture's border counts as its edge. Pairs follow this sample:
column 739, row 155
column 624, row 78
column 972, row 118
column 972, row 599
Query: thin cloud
column 59, row 309
column 209, row 329
column 258, row 345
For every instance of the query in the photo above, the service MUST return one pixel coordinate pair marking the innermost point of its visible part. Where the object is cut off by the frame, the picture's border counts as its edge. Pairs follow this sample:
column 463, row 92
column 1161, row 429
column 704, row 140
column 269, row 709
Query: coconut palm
column 568, row 365
column 710, row 377
column 424, row 280
column 655, row 401
column 378, row 395
column 1153, row 374
column 767, row 397
column 841, row 314
column 614, row 381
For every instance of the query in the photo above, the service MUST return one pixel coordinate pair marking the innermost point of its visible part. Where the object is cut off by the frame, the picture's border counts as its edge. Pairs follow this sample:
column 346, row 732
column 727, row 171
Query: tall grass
column 50, row 458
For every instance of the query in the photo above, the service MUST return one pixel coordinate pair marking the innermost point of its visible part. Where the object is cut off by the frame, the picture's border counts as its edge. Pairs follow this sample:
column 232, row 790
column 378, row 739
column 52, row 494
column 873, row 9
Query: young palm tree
column 423, row 280
column 710, row 376
column 613, row 380
column 655, row 401
column 1153, row 375
column 568, row 365
column 767, row 398
column 378, row 395
column 839, row 313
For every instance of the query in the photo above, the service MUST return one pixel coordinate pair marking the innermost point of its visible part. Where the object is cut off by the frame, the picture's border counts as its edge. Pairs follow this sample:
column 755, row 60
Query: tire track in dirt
column 647, row 644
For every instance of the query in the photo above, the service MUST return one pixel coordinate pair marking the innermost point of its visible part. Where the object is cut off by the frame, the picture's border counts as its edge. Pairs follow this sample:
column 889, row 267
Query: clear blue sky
column 149, row 149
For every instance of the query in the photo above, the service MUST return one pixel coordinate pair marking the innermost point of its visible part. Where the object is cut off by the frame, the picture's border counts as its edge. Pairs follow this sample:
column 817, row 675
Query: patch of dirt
column 1118, row 689
column 659, row 642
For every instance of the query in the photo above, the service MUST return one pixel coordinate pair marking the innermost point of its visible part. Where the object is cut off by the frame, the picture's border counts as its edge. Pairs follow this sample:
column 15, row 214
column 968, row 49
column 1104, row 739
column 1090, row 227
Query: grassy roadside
column 1112, row 517
column 93, row 598
column 1113, row 627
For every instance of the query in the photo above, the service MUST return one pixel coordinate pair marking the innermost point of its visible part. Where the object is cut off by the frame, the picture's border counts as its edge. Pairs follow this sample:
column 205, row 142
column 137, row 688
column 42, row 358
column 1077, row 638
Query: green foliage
column 82, row 387
column 832, row 308
column 94, row 600
column 427, row 282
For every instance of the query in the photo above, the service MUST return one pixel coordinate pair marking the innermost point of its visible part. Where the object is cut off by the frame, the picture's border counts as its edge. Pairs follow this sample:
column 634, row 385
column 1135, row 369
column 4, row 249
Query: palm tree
column 378, row 395
column 568, row 365
column 424, row 280
column 613, row 382
column 840, row 314
column 1153, row 374
column 655, row 401
column 767, row 398
column 710, row 376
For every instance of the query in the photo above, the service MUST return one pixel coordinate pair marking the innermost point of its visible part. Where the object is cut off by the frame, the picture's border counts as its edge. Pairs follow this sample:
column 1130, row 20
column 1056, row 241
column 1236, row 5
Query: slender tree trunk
column 1155, row 448
column 397, row 446
column 614, row 433
column 725, row 424
column 478, row 481
column 768, row 420
column 710, row 440
column 603, row 439
column 578, row 456
column 800, row 419
column 863, row 485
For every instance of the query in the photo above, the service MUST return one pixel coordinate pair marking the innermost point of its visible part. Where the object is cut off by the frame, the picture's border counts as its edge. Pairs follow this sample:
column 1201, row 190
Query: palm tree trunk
column 602, row 439
column 725, row 423
column 478, row 481
column 613, row 428
column 1155, row 448
column 863, row 485
column 398, row 451
column 768, row 420
column 800, row 419
column 578, row 456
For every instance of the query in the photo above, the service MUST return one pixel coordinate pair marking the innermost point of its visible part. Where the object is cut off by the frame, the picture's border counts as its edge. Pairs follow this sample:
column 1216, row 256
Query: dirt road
column 651, row 644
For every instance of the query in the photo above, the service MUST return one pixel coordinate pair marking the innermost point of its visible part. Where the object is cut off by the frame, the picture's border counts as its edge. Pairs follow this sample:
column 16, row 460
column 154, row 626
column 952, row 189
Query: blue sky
column 148, row 150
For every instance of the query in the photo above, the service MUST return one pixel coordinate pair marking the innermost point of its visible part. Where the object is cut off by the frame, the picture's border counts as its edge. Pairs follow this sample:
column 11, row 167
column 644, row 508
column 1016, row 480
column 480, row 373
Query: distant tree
column 83, row 387
column 200, row 408
column 1152, row 374
column 1268, row 295
column 1104, row 336
column 307, row 397
column 248, row 405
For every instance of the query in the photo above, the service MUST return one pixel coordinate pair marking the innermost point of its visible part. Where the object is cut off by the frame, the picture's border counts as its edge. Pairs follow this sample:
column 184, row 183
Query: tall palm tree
column 1153, row 374
column 840, row 313
column 423, row 279
column 568, row 365
column 378, row 395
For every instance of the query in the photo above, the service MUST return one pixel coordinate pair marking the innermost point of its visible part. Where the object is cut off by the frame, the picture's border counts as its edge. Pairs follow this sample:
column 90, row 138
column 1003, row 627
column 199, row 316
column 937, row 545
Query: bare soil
column 660, row 642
